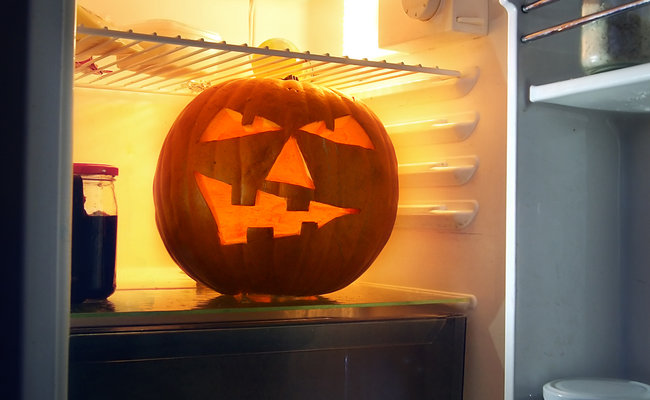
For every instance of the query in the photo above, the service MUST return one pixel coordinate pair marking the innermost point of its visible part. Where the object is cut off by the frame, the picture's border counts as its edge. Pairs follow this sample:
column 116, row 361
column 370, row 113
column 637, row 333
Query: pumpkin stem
column 290, row 78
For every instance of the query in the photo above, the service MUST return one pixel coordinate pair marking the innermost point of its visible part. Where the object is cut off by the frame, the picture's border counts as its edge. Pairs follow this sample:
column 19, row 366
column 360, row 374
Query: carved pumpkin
column 275, row 186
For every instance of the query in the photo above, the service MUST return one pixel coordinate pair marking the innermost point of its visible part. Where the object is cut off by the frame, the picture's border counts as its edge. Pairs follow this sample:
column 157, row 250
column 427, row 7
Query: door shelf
column 454, row 171
column 130, row 61
column 448, row 215
column 621, row 90
column 449, row 129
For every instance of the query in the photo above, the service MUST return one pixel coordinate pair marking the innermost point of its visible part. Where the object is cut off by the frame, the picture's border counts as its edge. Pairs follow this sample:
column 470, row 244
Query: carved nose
column 290, row 167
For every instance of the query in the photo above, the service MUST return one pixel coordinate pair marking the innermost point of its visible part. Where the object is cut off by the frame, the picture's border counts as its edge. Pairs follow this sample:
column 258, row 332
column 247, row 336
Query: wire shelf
column 577, row 22
column 129, row 61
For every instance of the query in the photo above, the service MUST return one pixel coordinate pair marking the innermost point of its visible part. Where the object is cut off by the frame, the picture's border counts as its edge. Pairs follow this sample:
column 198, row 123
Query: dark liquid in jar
column 94, row 240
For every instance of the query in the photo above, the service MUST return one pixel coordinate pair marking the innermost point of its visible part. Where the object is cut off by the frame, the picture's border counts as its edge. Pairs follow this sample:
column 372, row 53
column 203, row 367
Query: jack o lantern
column 273, row 186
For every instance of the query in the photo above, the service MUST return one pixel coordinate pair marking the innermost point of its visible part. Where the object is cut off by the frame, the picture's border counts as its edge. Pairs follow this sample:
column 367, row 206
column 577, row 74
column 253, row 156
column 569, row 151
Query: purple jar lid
column 93, row 169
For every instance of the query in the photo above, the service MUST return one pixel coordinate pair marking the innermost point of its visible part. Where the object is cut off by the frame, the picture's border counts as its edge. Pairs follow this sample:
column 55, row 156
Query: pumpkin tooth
column 298, row 197
column 307, row 227
column 297, row 204
column 248, row 195
column 254, row 234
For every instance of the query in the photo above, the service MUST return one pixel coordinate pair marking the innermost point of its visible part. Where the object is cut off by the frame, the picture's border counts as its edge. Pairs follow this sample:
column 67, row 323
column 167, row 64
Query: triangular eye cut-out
column 227, row 124
column 290, row 167
column 346, row 131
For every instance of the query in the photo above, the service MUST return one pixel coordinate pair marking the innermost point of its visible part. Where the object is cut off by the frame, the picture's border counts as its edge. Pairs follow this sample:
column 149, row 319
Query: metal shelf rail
column 574, row 23
column 125, row 60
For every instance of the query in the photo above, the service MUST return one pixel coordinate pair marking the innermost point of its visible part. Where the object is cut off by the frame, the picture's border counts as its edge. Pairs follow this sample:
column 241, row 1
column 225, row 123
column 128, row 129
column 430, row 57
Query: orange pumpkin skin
column 231, row 137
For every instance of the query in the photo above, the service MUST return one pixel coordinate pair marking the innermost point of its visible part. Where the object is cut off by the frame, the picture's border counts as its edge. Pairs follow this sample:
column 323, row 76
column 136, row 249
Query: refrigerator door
column 575, row 266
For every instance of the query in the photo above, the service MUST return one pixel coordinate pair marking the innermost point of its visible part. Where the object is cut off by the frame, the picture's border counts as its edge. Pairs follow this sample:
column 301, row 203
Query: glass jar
column 616, row 41
column 94, row 231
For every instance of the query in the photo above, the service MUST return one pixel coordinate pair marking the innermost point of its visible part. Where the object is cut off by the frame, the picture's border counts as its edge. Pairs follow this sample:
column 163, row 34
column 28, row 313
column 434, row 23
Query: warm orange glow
column 269, row 211
column 269, row 298
column 258, row 298
column 290, row 167
column 346, row 131
column 227, row 125
column 275, row 66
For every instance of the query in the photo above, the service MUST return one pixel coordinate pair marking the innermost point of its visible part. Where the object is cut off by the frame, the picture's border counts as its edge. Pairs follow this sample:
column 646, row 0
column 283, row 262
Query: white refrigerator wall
column 314, row 25
column 635, row 139
column 127, row 130
column 469, row 260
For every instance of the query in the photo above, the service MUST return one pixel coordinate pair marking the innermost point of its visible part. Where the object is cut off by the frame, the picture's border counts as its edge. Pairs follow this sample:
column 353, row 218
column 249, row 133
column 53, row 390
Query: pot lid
column 596, row 389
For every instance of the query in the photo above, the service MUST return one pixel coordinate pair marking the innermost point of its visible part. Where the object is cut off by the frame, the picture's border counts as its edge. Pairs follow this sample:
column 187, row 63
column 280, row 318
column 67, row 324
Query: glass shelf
column 621, row 90
column 199, row 305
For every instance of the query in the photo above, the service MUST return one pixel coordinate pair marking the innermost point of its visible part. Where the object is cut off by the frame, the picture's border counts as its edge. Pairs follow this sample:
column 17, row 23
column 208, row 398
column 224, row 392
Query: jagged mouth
column 269, row 211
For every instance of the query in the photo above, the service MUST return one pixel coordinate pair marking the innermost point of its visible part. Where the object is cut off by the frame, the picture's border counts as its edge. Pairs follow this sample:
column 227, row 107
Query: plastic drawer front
column 389, row 359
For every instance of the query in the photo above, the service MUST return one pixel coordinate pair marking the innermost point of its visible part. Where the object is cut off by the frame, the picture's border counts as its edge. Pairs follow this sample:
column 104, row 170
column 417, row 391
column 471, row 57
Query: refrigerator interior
column 455, row 246
column 577, row 268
